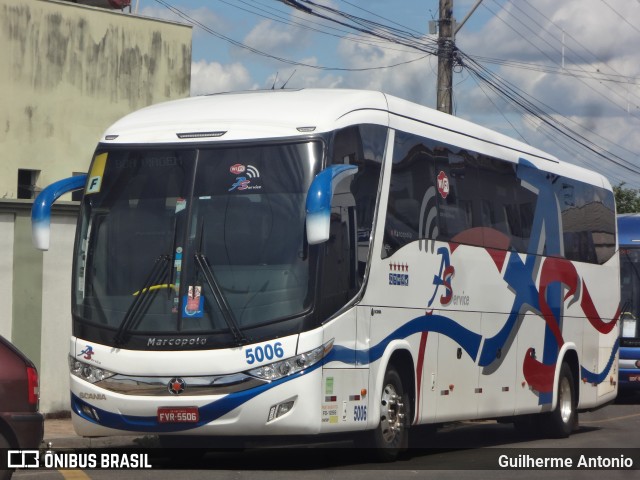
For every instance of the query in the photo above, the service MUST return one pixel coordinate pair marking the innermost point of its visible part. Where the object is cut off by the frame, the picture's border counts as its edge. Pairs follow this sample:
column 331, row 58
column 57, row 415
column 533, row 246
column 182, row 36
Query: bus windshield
column 630, row 292
column 193, row 241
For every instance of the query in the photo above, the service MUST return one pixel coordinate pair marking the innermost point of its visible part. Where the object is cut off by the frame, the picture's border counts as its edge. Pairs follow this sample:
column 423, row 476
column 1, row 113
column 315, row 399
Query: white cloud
column 597, row 42
column 214, row 77
column 413, row 81
column 274, row 38
column 590, row 27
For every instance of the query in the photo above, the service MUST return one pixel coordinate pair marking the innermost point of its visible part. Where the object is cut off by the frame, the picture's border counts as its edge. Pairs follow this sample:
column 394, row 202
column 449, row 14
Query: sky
column 579, row 60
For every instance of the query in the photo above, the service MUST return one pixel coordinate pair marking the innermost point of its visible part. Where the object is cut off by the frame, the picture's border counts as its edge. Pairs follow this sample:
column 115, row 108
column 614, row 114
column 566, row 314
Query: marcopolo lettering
column 175, row 342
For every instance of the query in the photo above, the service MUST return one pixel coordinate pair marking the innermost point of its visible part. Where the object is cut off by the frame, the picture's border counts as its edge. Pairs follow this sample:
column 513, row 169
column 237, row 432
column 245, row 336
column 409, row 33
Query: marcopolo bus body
column 324, row 261
column 629, row 231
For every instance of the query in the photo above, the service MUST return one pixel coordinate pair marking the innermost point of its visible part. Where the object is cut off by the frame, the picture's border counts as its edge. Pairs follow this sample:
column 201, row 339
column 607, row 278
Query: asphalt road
column 464, row 450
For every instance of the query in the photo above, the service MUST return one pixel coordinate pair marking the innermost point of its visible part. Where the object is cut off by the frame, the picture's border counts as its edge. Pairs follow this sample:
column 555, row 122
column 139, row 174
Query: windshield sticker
column 193, row 302
column 181, row 204
column 96, row 174
column 177, row 264
column 443, row 184
column 244, row 182
column 237, row 169
column 252, row 172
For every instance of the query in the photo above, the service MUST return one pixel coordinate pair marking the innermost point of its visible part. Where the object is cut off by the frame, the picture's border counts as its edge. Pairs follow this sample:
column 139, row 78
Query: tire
column 564, row 418
column 5, row 473
column 392, row 433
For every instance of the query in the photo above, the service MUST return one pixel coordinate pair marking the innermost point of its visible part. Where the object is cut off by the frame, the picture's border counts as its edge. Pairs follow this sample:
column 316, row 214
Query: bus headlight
column 289, row 366
column 87, row 372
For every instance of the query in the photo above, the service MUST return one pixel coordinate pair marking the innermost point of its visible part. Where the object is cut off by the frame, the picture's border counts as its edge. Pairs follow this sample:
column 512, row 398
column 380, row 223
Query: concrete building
column 67, row 72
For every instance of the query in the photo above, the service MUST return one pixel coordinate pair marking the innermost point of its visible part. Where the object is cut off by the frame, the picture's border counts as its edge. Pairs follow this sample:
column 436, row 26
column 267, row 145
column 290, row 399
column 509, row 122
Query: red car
column 21, row 424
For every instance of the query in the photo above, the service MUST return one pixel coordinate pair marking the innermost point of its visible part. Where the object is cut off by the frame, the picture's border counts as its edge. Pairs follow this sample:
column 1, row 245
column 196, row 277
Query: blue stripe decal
column 519, row 277
column 467, row 339
column 592, row 377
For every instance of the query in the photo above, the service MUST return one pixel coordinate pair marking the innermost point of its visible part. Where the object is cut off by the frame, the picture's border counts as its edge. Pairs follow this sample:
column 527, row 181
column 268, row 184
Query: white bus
column 323, row 261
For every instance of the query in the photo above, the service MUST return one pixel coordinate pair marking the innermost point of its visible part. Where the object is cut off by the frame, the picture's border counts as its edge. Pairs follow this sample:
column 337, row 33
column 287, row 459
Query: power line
column 580, row 57
column 617, row 74
column 256, row 51
column 621, row 16
column 557, row 127
column 558, row 70
column 541, row 111
column 608, row 99
column 380, row 17
column 267, row 13
column 363, row 25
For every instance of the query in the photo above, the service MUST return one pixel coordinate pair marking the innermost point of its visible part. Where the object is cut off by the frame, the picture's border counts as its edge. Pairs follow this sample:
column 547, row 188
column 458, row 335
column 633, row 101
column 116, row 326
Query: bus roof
column 266, row 114
column 255, row 114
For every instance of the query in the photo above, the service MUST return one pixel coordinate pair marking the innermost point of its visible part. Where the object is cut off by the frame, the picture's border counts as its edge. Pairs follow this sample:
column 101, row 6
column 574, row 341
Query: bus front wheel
column 391, row 435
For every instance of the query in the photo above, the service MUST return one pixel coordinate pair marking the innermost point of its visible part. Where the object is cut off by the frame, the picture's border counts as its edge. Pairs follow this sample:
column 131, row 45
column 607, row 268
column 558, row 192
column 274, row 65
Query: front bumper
column 99, row 412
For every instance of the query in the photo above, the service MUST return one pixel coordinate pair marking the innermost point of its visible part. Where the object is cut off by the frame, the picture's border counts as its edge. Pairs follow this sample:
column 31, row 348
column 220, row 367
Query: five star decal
column 398, row 267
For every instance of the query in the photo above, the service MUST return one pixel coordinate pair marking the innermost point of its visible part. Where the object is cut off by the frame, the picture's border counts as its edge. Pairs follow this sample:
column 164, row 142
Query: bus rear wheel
column 564, row 418
column 391, row 436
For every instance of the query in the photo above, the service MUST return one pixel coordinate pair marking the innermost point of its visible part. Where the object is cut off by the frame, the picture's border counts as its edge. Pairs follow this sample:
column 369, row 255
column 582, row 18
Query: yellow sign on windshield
column 96, row 173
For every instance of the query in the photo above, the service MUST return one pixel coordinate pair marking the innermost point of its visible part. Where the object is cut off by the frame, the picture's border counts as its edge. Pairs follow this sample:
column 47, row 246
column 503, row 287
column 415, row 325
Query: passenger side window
column 432, row 193
column 441, row 192
column 510, row 206
column 363, row 146
column 588, row 219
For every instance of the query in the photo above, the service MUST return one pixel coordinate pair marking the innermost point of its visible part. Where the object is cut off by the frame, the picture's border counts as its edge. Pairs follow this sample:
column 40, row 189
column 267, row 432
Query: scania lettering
column 334, row 261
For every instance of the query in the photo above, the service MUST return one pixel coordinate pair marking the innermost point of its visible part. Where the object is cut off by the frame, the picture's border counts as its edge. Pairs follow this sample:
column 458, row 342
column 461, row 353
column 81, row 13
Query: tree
column 627, row 199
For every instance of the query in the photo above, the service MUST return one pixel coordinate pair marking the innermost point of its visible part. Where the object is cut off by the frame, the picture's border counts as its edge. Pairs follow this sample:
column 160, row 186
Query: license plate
column 178, row 415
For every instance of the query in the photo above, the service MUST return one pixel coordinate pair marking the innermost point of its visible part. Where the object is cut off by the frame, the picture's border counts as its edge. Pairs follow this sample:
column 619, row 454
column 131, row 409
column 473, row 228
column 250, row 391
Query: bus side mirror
column 319, row 201
column 41, row 210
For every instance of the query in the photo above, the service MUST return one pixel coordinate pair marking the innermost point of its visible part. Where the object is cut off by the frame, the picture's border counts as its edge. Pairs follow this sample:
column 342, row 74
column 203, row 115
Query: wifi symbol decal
column 252, row 172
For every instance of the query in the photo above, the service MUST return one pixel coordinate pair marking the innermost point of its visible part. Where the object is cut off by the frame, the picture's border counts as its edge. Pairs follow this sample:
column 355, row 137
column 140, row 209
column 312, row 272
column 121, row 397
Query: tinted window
column 441, row 192
column 352, row 213
column 588, row 219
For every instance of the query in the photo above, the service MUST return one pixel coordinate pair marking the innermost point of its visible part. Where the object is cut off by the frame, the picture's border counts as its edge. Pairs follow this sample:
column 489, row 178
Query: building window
column 27, row 180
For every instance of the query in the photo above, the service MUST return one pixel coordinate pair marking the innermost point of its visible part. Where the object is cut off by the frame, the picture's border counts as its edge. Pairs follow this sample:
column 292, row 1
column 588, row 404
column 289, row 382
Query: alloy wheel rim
column 564, row 400
column 392, row 413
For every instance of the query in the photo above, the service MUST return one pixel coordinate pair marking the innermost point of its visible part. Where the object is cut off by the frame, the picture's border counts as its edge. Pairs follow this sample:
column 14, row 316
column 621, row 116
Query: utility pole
column 447, row 31
column 445, row 56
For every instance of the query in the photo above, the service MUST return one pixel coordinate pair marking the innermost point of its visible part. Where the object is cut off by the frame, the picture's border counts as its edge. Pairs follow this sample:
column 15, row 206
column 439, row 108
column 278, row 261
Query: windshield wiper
column 142, row 300
column 221, row 300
